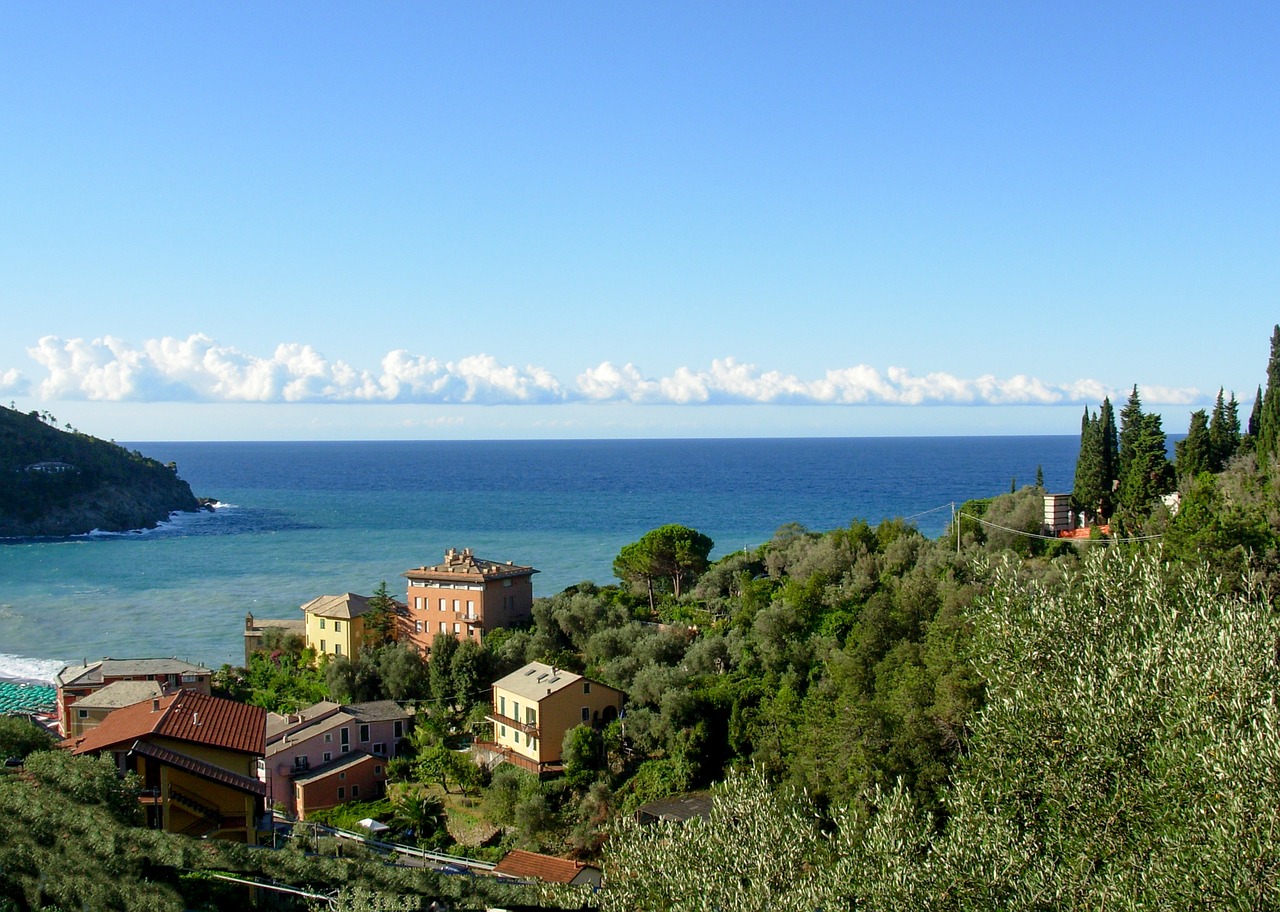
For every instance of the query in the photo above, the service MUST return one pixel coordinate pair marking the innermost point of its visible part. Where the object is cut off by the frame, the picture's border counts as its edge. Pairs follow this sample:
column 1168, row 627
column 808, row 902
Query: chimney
column 155, row 705
column 195, row 718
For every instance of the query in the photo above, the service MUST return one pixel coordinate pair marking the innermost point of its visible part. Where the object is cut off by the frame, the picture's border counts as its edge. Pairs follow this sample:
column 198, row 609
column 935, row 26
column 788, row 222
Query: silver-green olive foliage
column 1127, row 758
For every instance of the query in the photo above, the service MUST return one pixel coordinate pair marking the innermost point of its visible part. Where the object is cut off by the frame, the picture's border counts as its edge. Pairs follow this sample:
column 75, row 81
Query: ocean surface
column 300, row 520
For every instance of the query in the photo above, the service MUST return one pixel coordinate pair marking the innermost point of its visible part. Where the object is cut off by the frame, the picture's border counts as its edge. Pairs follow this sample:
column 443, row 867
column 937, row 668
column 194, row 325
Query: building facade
column 75, row 682
column 320, row 735
column 534, row 708
column 196, row 756
column 352, row 777
column 464, row 597
column 335, row 624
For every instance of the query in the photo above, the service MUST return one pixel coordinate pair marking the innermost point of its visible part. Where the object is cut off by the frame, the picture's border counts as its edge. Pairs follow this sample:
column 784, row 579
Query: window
column 504, row 730
column 586, row 714
column 364, row 733
column 530, row 715
column 586, row 687
column 342, row 775
column 417, row 626
column 346, row 735
column 502, row 705
column 342, row 793
column 346, row 747
column 417, row 602
column 516, row 713
column 471, row 607
column 457, row 628
column 190, row 679
column 337, row 626
column 322, row 649
column 506, row 583
column 301, row 763
column 82, row 713
column 322, row 623
column 444, row 628
column 355, row 791
column 455, row 604
column 377, row 771
column 337, row 649
column 328, row 755
column 328, row 737
column 399, row 728
column 442, row 604
column 379, row 747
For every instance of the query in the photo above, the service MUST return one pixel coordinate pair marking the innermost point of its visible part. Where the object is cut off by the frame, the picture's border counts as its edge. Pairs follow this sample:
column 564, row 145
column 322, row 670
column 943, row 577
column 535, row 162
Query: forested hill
column 56, row 482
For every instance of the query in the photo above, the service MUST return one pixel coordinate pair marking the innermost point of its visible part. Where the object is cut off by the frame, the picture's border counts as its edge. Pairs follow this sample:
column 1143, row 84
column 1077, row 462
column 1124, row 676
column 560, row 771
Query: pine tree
column 1255, row 414
column 1147, row 473
column 1040, row 477
column 1268, row 444
column 1130, row 430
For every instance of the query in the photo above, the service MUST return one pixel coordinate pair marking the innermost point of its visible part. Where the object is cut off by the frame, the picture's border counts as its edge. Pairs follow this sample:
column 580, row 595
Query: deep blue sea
column 306, row 519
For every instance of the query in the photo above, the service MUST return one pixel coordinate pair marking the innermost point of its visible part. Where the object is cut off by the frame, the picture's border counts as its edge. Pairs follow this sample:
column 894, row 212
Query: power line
column 991, row 525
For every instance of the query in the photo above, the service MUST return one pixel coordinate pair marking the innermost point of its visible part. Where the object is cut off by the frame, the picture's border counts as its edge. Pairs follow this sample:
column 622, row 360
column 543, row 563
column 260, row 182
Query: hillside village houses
column 197, row 756
column 535, row 706
column 465, row 597
column 329, row 753
column 75, row 682
column 212, row 767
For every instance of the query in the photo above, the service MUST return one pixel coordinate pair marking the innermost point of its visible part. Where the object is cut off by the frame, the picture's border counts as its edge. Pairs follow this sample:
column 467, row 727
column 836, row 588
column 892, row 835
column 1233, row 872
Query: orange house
column 464, row 597
column 197, row 757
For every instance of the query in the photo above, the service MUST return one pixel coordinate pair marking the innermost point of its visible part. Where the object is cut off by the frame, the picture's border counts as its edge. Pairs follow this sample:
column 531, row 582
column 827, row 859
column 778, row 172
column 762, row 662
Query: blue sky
column 340, row 221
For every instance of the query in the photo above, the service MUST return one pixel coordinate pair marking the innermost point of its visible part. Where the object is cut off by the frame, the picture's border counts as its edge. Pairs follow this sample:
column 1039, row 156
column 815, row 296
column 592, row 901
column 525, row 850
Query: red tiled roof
column 519, row 863
column 185, row 716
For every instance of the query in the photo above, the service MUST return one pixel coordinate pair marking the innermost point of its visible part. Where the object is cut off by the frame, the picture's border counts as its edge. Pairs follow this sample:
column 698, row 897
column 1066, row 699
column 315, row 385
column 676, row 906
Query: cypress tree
column 1110, row 453
column 1088, row 491
column 1268, row 443
column 1224, row 433
column 1196, row 452
column 1255, row 414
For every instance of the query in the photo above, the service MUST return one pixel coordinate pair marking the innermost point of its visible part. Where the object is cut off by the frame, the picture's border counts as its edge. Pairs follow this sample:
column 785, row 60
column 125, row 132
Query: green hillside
column 61, row 482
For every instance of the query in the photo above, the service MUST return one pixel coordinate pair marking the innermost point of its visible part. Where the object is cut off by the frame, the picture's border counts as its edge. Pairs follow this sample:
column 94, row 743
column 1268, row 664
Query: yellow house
column 534, row 707
column 197, row 757
column 335, row 624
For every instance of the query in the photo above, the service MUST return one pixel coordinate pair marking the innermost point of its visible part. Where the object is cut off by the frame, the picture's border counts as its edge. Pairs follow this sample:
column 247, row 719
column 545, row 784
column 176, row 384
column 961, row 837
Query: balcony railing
column 524, row 727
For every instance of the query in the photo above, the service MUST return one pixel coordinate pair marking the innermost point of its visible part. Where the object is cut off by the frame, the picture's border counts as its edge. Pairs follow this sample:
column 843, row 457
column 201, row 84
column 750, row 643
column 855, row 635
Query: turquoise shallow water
column 306, row 519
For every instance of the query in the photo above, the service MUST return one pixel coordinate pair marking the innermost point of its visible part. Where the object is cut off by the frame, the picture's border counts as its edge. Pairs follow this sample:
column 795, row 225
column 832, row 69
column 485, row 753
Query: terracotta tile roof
column 519, row 863
column 184, row 716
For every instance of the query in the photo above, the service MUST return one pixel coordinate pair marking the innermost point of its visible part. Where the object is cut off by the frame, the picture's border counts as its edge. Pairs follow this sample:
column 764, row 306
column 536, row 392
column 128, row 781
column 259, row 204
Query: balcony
column 524, row 727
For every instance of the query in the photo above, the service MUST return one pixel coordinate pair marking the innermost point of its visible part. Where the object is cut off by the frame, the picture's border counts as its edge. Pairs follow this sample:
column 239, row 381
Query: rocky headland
column 57, row 482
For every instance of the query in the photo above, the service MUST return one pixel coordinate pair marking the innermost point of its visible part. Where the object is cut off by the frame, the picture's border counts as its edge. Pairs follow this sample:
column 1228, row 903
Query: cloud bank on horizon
column 199, row 369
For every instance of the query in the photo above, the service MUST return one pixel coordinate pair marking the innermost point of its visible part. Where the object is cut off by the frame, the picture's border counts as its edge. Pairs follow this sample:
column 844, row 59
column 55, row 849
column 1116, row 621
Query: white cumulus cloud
column 200, row 369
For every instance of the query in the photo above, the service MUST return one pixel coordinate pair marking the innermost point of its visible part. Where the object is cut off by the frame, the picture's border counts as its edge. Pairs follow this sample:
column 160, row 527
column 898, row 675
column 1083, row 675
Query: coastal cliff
column 55, row 482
